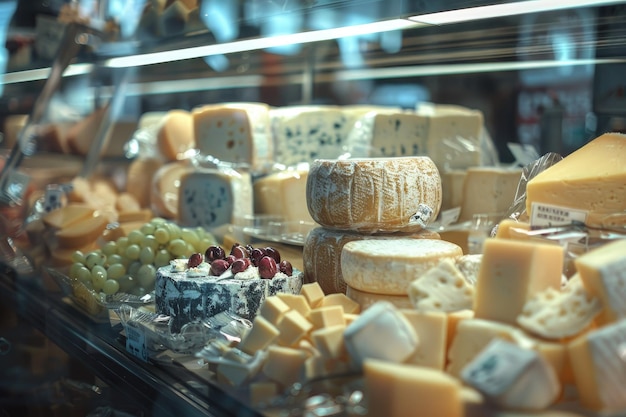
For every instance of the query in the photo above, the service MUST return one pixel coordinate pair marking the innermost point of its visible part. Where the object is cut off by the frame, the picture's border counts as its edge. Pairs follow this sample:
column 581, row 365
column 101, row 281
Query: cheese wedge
column 175, row 134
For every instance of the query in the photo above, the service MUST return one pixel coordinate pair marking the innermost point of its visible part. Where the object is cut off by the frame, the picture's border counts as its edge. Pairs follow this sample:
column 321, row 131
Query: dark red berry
column 267, row 267
column 273, row 252
column 256, row 254
column 230, row 259
column 194, row 260
column 240, row 265
column 214, row 252
column 286, row 268
column 239, row 251
column 218, row 267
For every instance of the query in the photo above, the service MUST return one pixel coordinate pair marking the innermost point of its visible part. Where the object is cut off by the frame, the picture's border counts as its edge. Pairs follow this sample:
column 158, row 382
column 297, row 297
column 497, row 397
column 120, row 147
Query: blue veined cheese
column 214, row 197
column 236, row 132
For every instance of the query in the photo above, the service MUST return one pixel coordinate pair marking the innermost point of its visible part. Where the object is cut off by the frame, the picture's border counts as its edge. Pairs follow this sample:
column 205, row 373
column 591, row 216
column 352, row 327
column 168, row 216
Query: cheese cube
column 260, row 336
column 296, row 302
column 603, row 273
column 339, row 299
column 237, row 367
column 329, row 341
column 511, row 272
column 327, row 316
column 454, row 319
column 401, row 390
column 284, row 365
column 292, row 328
column 488, row 190
column 273, row 309
column 597, row 359
column 313, row 293
column 431, row 329
column 512, row 377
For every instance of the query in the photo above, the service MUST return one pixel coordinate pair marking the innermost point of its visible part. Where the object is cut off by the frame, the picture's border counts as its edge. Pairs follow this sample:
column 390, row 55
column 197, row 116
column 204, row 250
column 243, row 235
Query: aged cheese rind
column 367, row 299
column 373, row 195
column 389, row 266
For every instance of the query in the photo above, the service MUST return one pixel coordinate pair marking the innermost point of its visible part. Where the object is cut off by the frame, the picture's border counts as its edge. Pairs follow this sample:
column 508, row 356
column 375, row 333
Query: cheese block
column 431, row 329
column 165, row 188
column 555, row 314
column 380, row 332
column 511, row 272
column 305, row 133
column 292, row 328
column 374, row 195
column 512, row 377
column 259, row 337
column 329, row 341
column 402, row 390
column 390, row 266
column 313, row 293
column 488, row 190
column 590, row 180
column 273, row 309
column 67, row 215
column 283, row 194
column 139, row 176
column 348, row 305
column 175, row 134
column 213, row 198
column 452, row 184
column 469, row 266
column 603, row 273
column 327, row 316
column 321, row 255
column 597, row 359
column 284, row 365
column 442, row 288
column 367, row 299
column 81, row 233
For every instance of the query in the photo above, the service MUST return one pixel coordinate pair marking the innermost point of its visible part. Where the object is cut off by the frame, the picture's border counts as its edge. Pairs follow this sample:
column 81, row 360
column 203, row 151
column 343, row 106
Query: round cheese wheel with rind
column 321, row 254
column 373, row 195
column 389, row 266
column 367, row 299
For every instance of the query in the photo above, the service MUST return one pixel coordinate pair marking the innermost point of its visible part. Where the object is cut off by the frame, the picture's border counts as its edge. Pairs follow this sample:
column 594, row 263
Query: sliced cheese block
column 390, row 266
column 284, row 365
column 488, row 190
column 367, row 299
column 283, row 194
column 67, row 215
column 554, row 314
column 165, row 188
column 259, row 337
column 175, row 134
column 81, row 233
column 402, row 390
column 452, row 183
column 293, row 327
column 512, row 377
column 213, row 198
column 139, row 176
column 431, row 329
column 603, row 273
column 327, row 316
column 442, row 288
column 511, row 272
column 597, row 359
column 380, row 332
column 313, row 293
column 591, row 179
column 374, row 195
column 322, row 255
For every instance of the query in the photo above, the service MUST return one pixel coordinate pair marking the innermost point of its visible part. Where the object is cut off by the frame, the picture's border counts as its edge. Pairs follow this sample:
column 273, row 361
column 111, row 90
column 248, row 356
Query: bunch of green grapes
column 129, row 264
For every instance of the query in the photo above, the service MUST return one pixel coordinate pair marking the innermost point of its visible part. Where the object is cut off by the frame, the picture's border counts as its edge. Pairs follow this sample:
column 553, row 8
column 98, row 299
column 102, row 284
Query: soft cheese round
column 372, row 195
column 321, row 254
column 389, row 266
column 187, row 296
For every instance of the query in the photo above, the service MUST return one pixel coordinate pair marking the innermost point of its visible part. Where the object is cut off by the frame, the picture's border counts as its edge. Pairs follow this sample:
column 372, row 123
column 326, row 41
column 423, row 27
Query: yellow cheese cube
column 262, row 392
column 349, row 305
column 431, row 329
column 273, row 309
column 327, row 316
column 313, row 293
column 329, row 341
column 293, row 327
column 296, row 302
column 262, row 334
column 284, row 365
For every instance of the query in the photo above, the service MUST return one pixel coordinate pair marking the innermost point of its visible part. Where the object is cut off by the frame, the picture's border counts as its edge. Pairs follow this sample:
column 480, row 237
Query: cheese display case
column 307, row 208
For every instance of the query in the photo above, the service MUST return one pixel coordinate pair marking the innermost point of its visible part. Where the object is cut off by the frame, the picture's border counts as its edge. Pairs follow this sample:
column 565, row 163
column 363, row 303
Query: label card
column 136, row 341
column 546, row 215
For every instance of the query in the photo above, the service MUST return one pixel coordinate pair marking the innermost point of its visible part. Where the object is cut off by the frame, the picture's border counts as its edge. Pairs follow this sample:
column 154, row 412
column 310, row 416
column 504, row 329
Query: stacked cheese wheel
column 373, row 211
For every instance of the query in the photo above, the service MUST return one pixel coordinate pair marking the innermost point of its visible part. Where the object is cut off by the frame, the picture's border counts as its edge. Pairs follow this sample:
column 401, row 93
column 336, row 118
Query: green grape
column 122, row 243
column 116, row 271
column 146, row 256
column 73, row 271
column 115, row 259
column 83, row 274
column 149, row 241
column 135, row 237
column 109, row 248
column 126, row 283
column 110, row 287
column 133, row 268
column 162, row 258
column 157, row 221
column 162, row 235
column 177, row 248
column 190, row 236
column 132, row 251
column 78, row 257
column 98, row 278
column 95, row 258
column 174, row 230
column 146, row 276
column 148, row 228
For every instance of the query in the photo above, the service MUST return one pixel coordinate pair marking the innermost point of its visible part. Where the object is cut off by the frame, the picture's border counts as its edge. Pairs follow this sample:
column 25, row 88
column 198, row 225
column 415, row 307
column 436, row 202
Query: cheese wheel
column 389, row 266
column 321, row 255
column 373, row 195
column 367, row 299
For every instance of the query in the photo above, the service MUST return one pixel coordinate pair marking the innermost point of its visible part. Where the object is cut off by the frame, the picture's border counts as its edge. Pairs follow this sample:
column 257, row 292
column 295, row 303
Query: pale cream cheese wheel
column 374, row 195
column 367, row 299
column 321, row 254
column 389, row 266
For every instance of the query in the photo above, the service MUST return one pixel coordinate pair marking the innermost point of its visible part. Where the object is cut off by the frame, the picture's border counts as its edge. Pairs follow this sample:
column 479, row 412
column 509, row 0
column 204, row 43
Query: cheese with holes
column 442, row 288
column 591, row 179
column 321, row 255
column 367, row 299
column 390, row 266
column 403, row 390
column 380, row 332
column 597, row 359
column 283, row 194
column 556, row 314
column 512, row 377
column 510, row 273
column 431, row 329
column 603, row 273
column 213, row 198
column 175, row 134
column 374, row 195
column 488, row 190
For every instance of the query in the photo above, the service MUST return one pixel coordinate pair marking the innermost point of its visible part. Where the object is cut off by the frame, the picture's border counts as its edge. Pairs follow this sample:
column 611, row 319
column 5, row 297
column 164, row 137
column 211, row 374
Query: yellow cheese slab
column 65, row 216
column 81, row 233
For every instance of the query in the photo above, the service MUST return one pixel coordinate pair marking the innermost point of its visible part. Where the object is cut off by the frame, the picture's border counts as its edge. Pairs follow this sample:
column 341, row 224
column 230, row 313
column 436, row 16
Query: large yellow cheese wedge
column 591, row 179
column 81, row 233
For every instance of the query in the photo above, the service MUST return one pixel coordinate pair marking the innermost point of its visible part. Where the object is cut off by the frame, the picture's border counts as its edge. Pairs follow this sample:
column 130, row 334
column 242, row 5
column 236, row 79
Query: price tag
column 136, row 342
column 547, row 215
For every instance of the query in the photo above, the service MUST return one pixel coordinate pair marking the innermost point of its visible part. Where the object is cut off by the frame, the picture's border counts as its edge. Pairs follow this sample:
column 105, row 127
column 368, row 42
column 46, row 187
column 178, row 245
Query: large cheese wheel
column 367, row 299
column 322, row 254
column 389, row 266
column 373, row 195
